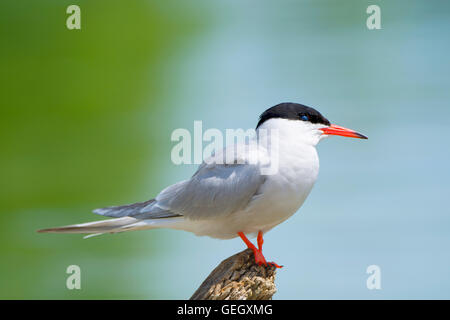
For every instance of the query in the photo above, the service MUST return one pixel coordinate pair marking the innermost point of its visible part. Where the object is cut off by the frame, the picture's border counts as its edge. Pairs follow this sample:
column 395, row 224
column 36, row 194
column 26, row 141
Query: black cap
column 293, row 111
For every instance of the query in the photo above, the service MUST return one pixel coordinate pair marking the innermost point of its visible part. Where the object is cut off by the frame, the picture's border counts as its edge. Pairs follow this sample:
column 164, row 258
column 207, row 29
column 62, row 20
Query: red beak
column 341, row 131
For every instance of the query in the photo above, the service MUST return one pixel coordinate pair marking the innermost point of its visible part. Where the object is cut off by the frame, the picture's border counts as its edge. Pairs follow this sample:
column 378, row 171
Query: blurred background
column 87, row 115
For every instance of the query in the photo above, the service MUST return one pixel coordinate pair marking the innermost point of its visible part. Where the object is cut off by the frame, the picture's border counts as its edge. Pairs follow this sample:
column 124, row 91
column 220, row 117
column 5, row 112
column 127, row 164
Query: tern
column 227, row 199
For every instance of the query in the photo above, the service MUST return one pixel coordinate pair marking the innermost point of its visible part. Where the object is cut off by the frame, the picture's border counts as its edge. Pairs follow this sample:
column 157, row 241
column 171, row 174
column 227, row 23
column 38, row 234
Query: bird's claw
column 271, row 263
column 260, row 260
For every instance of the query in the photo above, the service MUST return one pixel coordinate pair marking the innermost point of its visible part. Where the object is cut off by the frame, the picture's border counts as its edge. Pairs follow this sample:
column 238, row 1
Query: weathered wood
column 238, row 278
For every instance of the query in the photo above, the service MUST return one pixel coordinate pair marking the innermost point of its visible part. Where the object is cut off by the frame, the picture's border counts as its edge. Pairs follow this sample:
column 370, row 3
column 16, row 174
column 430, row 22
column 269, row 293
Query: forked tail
column 103, row 226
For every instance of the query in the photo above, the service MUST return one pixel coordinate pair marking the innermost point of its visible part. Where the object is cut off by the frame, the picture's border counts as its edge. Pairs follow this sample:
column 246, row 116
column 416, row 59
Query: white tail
column 95, row 227
column 114, row 225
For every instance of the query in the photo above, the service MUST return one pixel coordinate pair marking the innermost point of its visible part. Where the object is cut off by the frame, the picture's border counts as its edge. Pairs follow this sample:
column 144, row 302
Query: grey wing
column 135, row 210
column 214, row 190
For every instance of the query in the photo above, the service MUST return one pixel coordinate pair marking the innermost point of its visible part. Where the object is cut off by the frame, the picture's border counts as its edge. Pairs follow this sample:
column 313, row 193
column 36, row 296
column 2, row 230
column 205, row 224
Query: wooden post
column 238, row 278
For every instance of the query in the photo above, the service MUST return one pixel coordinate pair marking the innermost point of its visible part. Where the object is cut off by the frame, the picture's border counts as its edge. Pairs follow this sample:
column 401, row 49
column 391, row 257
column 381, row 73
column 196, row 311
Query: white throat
column 294, row 131
column 295, row 147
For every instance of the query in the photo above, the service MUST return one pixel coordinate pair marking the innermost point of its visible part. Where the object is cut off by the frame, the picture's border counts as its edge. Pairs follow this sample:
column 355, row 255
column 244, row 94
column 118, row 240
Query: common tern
column 227, row 199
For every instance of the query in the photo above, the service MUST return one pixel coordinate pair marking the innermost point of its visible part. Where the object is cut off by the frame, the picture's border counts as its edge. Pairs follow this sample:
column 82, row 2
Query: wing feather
column 224, row 183
column 216, row 189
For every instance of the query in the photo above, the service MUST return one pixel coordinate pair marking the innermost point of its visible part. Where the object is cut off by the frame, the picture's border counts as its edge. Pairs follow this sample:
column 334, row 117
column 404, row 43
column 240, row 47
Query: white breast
column 282, row 193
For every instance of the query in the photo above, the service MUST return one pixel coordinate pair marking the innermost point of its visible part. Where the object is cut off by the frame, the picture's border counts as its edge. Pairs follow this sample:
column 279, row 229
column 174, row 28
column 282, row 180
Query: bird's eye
column 304, row 117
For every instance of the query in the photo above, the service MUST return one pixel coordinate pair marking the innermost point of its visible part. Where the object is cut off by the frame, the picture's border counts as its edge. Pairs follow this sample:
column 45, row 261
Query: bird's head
column 302, row 122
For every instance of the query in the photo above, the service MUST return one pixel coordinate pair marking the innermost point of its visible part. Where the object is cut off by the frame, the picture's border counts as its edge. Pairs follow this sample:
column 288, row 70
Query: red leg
column 260, row 243
column 260, row 240
column 259, row 257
